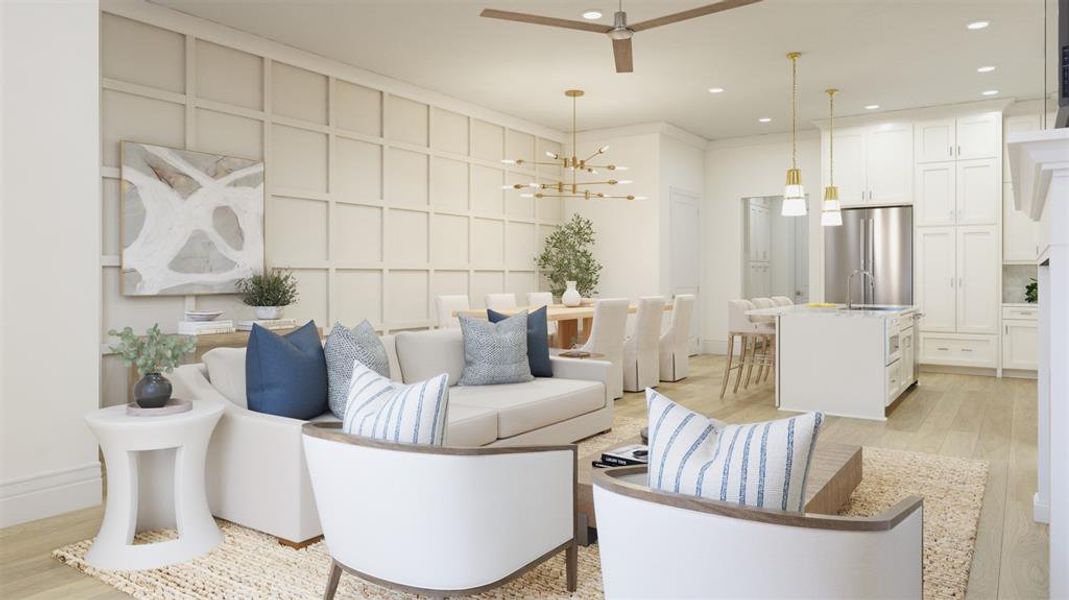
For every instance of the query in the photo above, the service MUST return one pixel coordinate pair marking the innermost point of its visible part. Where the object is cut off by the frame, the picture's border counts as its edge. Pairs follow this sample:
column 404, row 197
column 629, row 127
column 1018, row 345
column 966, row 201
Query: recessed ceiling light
column 871, row 106
column 986, row 69
column 592, row 14
column 715, row 90
column 989, row 92
column 765, row 120
column 978, row 25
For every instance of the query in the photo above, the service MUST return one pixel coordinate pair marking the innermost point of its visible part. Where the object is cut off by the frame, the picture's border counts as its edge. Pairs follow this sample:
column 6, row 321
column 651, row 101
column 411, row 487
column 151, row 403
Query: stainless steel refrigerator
column 877, row 240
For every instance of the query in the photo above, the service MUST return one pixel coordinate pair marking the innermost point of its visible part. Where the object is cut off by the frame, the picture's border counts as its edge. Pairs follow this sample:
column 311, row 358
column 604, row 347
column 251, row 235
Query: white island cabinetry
column 849, row 363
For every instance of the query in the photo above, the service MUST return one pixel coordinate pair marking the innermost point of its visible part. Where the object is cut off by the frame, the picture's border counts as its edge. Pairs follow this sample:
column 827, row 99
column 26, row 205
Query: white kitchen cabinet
column 977, row 272
column 935, row 290
column 957, row 279
column 965, row 192
column 1020, row 235
column 908, row 339
column 889, row 163
column 874, row 164
column 760, row 223
column 959, row 350
column 935, row 198
column 978, row 191
column 978, row 135
column 1020, row 345
column 933, row 141
column 760, row 280
column 1014, row 124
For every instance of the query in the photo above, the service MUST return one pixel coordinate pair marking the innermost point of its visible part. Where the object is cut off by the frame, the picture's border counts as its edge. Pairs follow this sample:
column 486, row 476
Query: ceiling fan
column 620, row 32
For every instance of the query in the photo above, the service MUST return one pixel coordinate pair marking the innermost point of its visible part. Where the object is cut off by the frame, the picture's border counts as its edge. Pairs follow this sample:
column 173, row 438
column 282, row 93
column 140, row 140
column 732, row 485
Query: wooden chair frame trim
column 332, row 432
column 610, row 480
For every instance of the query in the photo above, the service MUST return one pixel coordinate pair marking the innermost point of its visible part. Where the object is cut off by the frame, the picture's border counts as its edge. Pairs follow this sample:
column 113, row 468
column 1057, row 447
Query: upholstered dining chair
column 701, row 548
column 607, row 338
column 537, row 299
column 500, row 301
column 641, row 358
column 446, row 305
column 484, row 526
column 675, row 341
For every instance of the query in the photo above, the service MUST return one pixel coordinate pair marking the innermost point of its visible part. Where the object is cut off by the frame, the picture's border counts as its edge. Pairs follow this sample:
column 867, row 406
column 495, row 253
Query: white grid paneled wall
column 376, row 201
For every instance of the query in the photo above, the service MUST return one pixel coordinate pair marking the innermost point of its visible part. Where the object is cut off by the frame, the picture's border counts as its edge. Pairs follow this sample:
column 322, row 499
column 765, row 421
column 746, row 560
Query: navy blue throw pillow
column 537, row 340
column 286, row 375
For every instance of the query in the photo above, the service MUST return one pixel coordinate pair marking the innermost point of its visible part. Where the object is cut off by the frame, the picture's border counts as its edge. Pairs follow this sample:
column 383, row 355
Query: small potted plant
column 152, row 354
column 1031, row 291
column 269, row 293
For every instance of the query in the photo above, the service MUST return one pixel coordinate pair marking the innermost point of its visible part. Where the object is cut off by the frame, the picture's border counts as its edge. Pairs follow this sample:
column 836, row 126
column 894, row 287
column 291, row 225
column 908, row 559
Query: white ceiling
column 894, row 53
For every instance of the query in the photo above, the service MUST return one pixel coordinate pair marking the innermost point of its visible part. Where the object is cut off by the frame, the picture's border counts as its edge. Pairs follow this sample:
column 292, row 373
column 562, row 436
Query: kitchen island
column 848, row 362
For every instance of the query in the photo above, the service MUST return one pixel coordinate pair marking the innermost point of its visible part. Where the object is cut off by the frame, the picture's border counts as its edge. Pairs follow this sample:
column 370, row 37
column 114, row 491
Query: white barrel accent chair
column 500, row 301
column 641, row 358
column 675, row 341
column 699, row 548
column 447, row 305
column 607, row 338
column 441, row 521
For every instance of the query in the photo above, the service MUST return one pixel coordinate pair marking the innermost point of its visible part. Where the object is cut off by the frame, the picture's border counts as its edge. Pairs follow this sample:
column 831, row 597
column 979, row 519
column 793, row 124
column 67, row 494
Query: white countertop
column 879, row 311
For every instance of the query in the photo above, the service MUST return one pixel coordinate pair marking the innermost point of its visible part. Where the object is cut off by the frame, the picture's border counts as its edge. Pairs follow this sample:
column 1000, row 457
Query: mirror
column 775, row 251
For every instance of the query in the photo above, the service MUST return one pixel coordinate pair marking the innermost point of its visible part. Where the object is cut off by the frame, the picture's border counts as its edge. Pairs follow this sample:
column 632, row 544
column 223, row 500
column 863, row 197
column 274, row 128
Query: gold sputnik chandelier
column 575, row 189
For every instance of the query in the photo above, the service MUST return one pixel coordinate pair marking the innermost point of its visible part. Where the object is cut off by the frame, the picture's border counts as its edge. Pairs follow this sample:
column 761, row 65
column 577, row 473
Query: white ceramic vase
column 571, row 296
column 268, row 312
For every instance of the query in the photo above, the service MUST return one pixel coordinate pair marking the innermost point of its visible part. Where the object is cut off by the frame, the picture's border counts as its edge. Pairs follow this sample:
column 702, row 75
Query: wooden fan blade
column 621, row 51
column 540, row 20
column 690, row 14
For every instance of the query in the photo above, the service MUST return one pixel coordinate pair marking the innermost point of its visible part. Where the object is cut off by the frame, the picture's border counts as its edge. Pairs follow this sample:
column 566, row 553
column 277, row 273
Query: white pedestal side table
column 155, row 474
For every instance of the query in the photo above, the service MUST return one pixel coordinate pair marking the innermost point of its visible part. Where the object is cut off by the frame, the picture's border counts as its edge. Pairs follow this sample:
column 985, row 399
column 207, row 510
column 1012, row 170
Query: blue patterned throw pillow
column 286, row 375
column 537, row 340
column 495, row 352
column 382, row 409
column 758, row 464
column 343, row 347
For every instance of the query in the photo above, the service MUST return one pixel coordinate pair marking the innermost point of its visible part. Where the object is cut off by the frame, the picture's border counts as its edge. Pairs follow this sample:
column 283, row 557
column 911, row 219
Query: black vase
column 152, row 391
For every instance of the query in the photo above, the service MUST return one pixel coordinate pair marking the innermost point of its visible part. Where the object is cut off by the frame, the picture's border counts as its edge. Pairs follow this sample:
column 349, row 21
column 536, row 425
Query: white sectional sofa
column 256, row 472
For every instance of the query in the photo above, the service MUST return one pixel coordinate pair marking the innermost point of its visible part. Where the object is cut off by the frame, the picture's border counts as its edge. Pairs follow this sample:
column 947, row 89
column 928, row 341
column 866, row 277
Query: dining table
column 573, row 322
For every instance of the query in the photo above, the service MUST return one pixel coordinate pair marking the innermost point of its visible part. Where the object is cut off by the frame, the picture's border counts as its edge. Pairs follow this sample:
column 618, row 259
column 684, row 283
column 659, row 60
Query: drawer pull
column 943, row 349
column 966, row 349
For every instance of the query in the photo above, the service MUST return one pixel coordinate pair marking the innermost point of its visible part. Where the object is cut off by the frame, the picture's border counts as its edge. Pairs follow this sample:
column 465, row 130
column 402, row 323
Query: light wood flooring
column 958, row 415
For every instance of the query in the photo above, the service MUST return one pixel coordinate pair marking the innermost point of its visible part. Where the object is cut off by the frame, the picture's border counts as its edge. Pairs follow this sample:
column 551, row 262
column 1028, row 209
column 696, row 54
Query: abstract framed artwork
column 192, row 222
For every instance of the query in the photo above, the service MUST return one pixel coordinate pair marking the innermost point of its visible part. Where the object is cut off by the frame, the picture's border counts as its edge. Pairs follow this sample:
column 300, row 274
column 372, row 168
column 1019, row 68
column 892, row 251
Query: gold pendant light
column 793, row 192
column 831, row 215
column 576, row 189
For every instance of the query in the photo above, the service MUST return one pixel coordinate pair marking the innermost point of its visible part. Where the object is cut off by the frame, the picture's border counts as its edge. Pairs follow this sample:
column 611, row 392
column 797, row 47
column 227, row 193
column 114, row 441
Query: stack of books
column 205, row 327
column 268, row 324
column 634, row 454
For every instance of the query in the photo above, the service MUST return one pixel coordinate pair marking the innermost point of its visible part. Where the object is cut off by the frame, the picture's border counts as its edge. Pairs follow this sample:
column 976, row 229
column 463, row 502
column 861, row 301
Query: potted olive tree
column 567, row 260
column 269, row 293
column 152, row 354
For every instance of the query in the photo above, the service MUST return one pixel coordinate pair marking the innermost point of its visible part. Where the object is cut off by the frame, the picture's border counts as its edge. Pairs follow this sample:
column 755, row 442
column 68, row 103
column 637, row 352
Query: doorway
column 685, row 229
column 775, row 252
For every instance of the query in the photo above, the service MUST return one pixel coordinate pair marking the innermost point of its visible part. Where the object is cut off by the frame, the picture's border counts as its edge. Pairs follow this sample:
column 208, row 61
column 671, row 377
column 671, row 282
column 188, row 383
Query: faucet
column 850, row 287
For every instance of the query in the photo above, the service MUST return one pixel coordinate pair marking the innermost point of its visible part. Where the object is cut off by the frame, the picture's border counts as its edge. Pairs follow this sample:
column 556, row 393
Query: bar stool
column 764, row 354
column 739, row 326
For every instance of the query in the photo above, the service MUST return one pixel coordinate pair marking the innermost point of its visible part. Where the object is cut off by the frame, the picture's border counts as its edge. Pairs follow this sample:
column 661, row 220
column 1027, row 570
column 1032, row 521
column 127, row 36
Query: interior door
column 685, row 225
column 933, row 140
column 977, row 266
column 850, row 165
column 978, row 187
column 889, row 163
column 936, row 279
column 978, row 135
column 935, row 199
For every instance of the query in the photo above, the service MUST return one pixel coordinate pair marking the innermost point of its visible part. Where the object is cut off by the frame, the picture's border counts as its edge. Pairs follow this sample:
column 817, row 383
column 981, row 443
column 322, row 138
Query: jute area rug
column 249, row 564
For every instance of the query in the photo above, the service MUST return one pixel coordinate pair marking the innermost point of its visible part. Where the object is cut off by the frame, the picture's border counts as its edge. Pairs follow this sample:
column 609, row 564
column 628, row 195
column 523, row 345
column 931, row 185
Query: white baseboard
column 714, row 346
column 1040, row 509
column 48, row 494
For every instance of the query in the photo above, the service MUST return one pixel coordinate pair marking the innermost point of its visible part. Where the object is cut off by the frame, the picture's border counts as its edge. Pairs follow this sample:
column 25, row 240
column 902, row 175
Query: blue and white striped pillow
column 759, row 464
column 382, row 409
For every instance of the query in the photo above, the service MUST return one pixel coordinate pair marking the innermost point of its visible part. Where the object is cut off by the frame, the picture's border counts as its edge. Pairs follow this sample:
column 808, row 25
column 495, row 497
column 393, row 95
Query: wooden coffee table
column 834, row 473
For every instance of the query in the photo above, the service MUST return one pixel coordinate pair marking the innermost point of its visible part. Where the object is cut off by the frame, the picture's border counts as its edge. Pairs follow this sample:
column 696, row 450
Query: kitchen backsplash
column 1014, row 278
